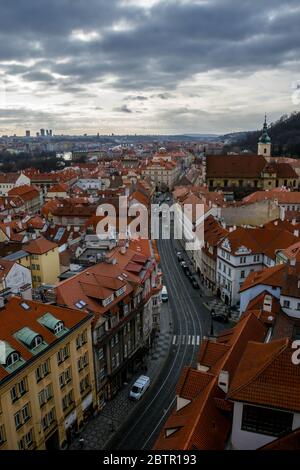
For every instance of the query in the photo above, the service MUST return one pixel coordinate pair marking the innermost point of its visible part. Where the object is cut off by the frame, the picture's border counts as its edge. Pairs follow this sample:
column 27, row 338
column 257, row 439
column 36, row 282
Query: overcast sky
column 147, row 66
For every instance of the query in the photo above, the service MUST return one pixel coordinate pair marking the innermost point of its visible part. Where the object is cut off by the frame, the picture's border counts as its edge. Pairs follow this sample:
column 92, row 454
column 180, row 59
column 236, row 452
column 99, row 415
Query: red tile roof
column 267, row 376
column 205, row 422
column 39, row 246
column 13, row 318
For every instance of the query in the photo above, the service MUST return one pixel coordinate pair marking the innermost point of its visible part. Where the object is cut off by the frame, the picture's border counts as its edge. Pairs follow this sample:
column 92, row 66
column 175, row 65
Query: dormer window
column 12, row 358
column 53, row 324
column 38, row 340
column 31, row 339
column 59, row 327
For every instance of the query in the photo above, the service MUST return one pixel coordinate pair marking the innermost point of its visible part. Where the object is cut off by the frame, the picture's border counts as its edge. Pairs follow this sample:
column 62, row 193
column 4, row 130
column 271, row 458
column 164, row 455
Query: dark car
column 179, row 256
column 195, row 283
column 220, row 316
column 188, row 272
column 184, row 264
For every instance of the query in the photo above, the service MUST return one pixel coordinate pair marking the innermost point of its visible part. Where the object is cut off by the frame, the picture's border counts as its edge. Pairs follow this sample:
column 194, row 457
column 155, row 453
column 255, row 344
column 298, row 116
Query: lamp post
column 212, row 323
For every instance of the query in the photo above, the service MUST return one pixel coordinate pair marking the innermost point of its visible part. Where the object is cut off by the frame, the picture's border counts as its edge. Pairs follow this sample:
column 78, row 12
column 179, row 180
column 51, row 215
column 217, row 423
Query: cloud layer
column 180, row 66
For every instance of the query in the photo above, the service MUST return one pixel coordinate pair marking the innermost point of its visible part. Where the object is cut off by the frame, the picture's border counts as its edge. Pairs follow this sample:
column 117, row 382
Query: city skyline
column 147, row 67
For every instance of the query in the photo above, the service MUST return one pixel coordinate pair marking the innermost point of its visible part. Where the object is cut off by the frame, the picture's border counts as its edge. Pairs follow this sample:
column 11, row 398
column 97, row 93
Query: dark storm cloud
column 162, row 46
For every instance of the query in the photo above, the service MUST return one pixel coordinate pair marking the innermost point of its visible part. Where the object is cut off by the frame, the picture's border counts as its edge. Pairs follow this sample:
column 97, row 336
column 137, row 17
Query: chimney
column 293, row 261
column 123, row 250
column 296, row 233
column 294, row 222
column 223, row 381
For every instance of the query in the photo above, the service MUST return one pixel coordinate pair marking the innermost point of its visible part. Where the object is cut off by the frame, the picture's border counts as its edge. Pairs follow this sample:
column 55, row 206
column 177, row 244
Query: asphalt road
column 190, row 322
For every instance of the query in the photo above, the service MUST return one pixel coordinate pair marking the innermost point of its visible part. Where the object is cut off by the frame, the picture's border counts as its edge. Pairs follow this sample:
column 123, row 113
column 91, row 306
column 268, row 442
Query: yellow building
column 44, row 261
column 47, row 386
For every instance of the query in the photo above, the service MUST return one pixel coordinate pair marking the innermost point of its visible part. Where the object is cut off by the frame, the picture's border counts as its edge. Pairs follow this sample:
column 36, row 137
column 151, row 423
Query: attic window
column 25, row 306
column 59, row 327
column 30, row 338
column 125, row 275
column 12, row 358
column 80, row 304
column 38, row 340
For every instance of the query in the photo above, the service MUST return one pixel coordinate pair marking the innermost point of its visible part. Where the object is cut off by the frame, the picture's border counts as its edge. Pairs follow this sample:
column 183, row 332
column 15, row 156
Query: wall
column 251, row 214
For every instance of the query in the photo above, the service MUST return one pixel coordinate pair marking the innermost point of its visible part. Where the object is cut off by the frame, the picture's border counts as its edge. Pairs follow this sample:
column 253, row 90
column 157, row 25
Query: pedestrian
column 81, row 442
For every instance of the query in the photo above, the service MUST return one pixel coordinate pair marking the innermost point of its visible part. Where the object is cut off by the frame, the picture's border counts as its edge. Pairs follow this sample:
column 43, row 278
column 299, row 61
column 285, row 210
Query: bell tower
column 264, row 143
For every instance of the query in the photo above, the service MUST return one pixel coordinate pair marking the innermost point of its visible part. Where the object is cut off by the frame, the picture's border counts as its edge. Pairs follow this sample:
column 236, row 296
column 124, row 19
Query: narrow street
column 190, row 322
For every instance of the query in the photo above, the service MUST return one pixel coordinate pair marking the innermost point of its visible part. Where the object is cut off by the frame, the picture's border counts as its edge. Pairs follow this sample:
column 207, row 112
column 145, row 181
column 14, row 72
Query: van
column 164, row 294
column 139, row 387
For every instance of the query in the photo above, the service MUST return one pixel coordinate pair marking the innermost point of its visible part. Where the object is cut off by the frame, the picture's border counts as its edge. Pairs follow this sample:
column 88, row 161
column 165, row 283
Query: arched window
column 37, row 341
column 12, row 358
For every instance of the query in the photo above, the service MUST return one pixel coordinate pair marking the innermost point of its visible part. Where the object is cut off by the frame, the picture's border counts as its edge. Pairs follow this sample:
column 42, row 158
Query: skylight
column 80, row 304
column 25, row 306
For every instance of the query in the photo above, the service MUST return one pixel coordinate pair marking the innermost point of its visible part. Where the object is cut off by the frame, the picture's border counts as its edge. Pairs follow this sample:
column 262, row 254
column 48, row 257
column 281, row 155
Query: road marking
column 189, row 340
column 193, row 340
column 174, row 339
column 198, row 340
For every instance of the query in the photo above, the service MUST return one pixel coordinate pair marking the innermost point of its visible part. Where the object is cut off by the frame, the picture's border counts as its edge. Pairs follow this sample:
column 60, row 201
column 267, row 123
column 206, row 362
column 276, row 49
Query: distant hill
column 285, row 135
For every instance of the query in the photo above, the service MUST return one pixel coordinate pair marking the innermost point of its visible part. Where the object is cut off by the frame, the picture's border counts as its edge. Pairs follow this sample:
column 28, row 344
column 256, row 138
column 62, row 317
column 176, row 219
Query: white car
column 139, row 387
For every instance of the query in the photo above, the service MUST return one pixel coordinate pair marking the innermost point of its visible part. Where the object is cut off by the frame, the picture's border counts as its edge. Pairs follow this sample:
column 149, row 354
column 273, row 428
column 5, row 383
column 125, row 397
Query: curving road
column 191, row 321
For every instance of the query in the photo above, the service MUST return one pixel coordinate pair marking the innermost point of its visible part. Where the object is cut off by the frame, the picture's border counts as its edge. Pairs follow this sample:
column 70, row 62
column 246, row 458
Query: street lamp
column 212, row 323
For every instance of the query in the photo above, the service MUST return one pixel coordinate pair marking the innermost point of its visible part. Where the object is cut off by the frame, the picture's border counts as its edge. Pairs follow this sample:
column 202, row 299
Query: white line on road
column 174, row 339
column 193, row 340
column 189, row 340
column 182, row 341
column 198, row 340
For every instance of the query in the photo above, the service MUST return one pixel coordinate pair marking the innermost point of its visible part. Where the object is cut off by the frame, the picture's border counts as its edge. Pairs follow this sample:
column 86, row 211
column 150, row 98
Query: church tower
column 264, row 143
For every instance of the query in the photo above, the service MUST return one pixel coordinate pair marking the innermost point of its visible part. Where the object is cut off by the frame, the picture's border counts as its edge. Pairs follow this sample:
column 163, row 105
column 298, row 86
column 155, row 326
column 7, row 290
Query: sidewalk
column 100, row 429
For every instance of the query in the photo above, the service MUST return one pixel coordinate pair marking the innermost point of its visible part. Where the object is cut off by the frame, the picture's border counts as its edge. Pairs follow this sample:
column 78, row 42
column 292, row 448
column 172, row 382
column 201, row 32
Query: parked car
column 220, row 316
column 164, row 294
column 195, row 283
column 179, row 256
column 139, row 387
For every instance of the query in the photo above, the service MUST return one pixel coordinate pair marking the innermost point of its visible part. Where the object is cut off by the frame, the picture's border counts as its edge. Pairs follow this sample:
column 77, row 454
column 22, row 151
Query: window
column 25, row 413
column 100, row 354
column 14, row 394
column 18, row 390
column 26, row 441
column 12, row 359
column 286, row 303
column 63, row 354
column 266, row 421
column 242, row 274
column 38, row 340
column 2, row 434
column 298, row 306
column 58, row 328
column 42, row 371
column 67, row 400
column 65, row 377
column 18, row 421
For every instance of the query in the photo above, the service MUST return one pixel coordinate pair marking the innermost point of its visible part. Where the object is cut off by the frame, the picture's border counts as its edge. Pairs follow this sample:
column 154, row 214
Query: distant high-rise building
column 37, row 134
column 50, row 132
column 27, row 133
column 43, row 132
